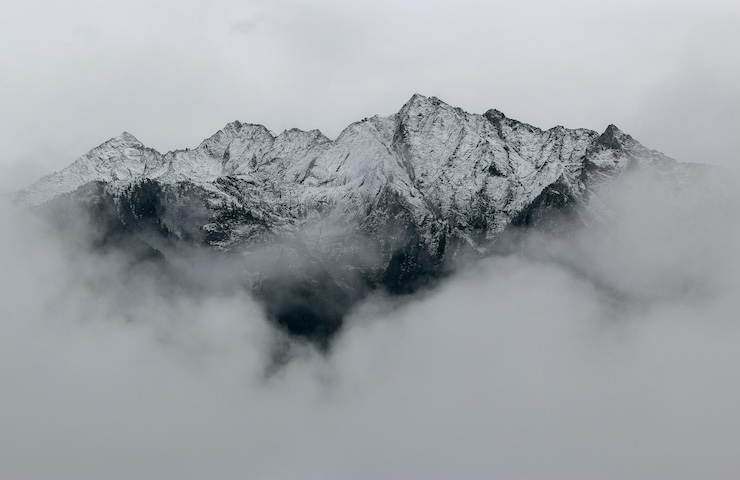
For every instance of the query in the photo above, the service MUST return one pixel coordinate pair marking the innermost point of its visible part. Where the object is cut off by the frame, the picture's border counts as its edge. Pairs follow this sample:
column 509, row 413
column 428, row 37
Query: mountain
column 316, row 223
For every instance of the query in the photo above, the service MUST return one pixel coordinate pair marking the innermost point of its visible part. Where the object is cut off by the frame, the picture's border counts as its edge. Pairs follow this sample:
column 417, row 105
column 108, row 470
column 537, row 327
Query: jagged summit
column 495, row 115
column 613, row 137
column 127, row 137
column 419, row 101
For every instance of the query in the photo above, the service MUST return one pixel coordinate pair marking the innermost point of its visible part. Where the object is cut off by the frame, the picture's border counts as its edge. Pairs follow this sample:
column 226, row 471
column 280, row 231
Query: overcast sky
column 172, row 73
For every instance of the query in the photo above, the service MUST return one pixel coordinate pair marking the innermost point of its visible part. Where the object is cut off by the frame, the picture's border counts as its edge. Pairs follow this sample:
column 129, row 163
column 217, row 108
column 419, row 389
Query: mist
column 607, row 352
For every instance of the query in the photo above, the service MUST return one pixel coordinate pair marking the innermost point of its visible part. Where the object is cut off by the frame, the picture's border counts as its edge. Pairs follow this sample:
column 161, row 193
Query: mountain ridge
column 391, row 203
column 227, row 141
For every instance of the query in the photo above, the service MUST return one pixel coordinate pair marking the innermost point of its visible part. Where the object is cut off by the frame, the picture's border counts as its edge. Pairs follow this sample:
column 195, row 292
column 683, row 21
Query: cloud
column 611, row 353
column 695, row 93
column 258, row 23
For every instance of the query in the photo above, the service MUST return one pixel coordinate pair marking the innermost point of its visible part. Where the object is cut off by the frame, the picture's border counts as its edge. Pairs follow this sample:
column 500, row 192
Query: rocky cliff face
column 318, row 223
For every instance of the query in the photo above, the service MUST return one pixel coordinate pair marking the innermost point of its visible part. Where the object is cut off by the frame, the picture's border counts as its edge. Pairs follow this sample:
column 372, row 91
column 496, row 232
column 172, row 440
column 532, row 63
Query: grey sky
column 80, row 72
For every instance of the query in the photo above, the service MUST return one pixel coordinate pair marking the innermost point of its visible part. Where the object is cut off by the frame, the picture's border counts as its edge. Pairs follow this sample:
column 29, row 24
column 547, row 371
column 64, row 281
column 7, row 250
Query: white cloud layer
column 610, row 354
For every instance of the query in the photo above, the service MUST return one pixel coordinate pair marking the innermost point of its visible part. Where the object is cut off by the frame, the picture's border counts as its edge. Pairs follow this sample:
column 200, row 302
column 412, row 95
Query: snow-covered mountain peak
column 297, row 133
column 126, row 137
column 420, row 106
column 614, row 138
column 430, row 153
column 415, row 100
column 614, row 152
column 124, row 140
column 120, row 160
column 217, row 143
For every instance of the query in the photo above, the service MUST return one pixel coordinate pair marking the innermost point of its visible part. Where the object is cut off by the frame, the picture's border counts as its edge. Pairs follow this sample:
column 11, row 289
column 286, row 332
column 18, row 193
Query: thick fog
column 610, row 353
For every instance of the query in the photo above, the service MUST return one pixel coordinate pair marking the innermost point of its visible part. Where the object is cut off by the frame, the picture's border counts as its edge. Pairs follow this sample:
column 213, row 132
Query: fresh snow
column 441, row 161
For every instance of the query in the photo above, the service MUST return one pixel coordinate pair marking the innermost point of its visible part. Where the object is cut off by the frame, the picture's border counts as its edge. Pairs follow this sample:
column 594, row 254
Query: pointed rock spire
column 612, row 138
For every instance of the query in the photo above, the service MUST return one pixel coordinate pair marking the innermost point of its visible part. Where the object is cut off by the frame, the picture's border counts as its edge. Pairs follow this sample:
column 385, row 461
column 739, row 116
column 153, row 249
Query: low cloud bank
column 611, row 353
